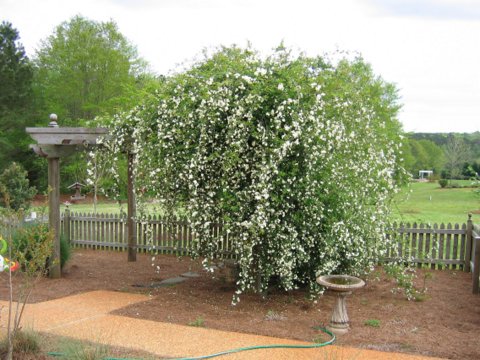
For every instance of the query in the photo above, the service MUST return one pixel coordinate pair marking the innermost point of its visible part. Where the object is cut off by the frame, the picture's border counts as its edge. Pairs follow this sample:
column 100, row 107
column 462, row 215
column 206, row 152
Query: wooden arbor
column 54, row 142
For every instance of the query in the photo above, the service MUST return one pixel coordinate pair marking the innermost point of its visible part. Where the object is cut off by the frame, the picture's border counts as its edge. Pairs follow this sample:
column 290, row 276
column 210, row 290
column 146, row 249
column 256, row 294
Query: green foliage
column 86, row 68
column 76, row 350
column 25, row 342
column 31, row 246
column 297, row 156
column 16, row 99
column 15, row 191
column 422, row 155
column 456, row 153
column 443, row 183
column 471, row 140
column 404, row 277
column 15, row 72
column 198, row 322
column 65, row 251
column 33, row 238
column 372, row 323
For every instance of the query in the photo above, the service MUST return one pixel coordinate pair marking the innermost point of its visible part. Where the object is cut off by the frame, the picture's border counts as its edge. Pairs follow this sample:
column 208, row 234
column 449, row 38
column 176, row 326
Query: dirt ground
column 446, row 324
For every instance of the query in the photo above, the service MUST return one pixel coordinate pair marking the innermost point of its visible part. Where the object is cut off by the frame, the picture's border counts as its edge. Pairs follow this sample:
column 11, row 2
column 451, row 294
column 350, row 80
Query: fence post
column 66, row 225
column 468, row 245
column 476, row 266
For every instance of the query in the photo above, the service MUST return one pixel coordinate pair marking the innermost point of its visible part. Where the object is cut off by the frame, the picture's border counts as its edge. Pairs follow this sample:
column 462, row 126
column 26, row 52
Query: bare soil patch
column 446, row 324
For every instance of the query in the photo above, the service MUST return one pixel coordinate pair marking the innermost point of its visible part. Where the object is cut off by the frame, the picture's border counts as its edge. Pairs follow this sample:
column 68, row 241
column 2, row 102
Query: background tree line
column 449, row 155
column 84, row 69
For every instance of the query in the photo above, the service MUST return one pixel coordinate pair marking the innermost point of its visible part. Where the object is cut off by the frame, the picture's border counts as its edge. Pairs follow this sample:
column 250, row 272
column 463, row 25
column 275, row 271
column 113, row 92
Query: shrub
column 24, row 342
column 29, row 245
column 32, row 245
column 65, row 251
column 298, row 157
column 15, row 191
column 443, row 183
column 32, row 236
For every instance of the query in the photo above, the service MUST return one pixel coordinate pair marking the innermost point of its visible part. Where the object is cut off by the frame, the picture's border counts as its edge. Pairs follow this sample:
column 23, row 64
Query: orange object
column 14, row 266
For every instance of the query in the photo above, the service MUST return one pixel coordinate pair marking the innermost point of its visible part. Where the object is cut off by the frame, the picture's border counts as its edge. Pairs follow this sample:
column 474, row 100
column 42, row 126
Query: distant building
column 425, row 174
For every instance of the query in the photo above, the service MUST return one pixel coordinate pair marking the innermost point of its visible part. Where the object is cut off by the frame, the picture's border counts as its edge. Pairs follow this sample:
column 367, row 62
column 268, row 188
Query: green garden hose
column 258, row 347
column 281, row 346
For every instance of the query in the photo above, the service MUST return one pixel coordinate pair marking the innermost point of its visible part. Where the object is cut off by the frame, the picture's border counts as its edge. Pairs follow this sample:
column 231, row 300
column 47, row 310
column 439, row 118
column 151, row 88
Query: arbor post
column 131, row 213
column 54, row 214
column 53, row 143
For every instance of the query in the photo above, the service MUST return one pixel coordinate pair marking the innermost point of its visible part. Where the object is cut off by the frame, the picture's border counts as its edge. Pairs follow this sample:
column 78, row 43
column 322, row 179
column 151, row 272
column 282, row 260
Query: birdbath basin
column 340, row 286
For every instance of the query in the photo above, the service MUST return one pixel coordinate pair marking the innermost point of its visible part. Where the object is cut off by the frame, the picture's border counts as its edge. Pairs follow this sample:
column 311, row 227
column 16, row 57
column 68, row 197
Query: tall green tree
column 435, row 155
column 16, row 76
column 15, row 190
column 423, row 155
column 456, row 154
column 87, row 68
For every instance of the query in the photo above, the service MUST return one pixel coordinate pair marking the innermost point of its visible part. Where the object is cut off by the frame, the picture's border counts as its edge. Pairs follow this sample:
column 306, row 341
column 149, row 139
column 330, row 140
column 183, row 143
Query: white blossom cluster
column 295, row 156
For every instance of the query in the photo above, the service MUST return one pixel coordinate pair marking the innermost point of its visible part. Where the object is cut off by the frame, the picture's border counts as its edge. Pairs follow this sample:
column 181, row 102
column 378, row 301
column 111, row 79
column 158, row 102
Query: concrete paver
column 86, row 317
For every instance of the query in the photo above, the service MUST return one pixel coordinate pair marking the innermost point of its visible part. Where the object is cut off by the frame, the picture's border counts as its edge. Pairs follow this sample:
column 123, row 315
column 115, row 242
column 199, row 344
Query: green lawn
column 420, row 202
column 103, row 207
column 429, row 203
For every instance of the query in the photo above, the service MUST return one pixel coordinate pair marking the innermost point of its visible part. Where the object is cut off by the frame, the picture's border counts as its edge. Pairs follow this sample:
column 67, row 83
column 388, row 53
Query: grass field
column 429, row 203
column 102, row 207
column 419, row 202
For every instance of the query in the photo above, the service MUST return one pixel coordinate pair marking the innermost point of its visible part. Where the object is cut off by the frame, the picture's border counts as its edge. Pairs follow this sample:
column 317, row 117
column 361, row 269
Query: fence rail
column 450, row 246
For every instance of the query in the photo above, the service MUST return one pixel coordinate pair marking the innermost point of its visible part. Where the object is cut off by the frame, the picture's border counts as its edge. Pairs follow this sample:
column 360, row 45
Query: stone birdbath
column 341, row 286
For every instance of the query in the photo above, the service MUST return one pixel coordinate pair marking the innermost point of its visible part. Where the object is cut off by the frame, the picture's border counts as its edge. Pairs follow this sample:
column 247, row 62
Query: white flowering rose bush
column 296, row 157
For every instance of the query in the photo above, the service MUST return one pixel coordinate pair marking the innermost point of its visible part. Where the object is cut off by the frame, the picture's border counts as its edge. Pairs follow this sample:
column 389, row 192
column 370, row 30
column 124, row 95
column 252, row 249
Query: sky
column 430, row 49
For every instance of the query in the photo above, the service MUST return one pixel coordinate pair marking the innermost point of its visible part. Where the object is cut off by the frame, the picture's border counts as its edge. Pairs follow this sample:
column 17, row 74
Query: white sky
column 429, row 48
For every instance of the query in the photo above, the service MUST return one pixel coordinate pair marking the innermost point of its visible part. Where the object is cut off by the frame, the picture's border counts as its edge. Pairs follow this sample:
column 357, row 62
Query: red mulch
column 446, row 324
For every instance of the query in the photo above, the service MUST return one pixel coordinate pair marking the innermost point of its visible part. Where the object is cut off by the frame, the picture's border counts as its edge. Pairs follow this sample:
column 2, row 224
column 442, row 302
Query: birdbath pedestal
column 341, row 286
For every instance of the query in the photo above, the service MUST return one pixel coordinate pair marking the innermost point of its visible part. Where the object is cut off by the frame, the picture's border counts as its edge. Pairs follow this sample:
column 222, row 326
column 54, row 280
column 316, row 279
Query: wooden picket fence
column 435, row 246
column 439, row 246
column 109, row 231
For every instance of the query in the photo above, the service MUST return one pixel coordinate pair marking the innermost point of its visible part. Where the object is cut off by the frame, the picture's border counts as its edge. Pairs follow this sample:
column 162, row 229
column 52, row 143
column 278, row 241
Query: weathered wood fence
column 109, row 231
column 437, row 246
